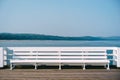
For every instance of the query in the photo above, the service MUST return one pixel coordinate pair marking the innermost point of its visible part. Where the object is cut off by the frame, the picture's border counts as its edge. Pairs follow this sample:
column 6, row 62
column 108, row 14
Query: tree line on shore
column 24, row 36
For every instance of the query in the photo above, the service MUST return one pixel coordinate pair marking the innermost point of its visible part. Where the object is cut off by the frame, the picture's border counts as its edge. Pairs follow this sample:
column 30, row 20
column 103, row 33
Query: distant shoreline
column 13, row 36
column 60, row 40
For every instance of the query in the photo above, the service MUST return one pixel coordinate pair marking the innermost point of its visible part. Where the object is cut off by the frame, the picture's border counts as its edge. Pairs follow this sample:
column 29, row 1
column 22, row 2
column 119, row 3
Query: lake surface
column 53, row 43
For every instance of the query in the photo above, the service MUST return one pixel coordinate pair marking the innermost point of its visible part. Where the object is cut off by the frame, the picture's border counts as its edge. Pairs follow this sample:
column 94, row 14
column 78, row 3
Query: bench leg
column 105, row 66
column 59, row 66
column 108, row 67
column 35, row 66
column 11, row 66
column 84, row 67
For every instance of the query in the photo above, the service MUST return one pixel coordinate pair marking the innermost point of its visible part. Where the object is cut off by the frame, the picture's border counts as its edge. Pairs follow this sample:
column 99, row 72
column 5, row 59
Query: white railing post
column 5, row 58
column 114, row 57
column 1, row 58
column 59, row 52
column 83, row 58
column 118, row 57
column 36, row 59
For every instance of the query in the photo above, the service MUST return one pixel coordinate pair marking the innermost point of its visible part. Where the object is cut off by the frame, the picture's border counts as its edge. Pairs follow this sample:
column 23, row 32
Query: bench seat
column 59, row 61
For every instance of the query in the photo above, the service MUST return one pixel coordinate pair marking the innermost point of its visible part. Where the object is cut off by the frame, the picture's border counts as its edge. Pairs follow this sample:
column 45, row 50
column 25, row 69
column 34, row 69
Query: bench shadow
column 63, row 67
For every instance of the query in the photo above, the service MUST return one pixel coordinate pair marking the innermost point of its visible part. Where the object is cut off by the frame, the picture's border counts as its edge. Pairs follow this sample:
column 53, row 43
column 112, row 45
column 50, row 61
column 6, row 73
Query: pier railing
column 113, row 53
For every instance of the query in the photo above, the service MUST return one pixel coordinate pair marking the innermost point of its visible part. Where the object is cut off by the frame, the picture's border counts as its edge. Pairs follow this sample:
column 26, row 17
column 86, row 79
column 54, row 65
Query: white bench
column 59, row 56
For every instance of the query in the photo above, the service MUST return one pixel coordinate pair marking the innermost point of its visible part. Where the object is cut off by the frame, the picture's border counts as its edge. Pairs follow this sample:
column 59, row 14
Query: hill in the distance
column 11, row 36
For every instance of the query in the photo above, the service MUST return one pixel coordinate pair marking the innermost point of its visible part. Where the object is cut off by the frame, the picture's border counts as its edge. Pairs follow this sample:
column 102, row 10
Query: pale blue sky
column 61, row 17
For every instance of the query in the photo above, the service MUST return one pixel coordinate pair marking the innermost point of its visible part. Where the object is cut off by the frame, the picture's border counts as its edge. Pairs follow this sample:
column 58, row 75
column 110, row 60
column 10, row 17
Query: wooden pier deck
column 55, row 74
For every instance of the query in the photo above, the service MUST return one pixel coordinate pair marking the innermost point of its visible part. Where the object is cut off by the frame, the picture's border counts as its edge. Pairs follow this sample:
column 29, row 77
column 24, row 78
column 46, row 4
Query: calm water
column 46, row 43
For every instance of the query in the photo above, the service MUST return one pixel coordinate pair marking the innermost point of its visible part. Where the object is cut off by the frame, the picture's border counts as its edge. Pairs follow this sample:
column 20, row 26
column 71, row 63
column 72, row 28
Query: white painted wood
column 1, row 57
column 63, row 53
column 59, row 55
column 118, row 58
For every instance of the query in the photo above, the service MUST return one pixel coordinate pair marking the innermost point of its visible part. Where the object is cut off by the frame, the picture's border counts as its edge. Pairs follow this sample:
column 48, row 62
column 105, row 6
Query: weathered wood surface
column 65, row 74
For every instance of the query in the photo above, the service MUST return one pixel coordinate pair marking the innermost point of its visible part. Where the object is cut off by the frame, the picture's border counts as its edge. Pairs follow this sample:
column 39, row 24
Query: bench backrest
column 59, row 54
